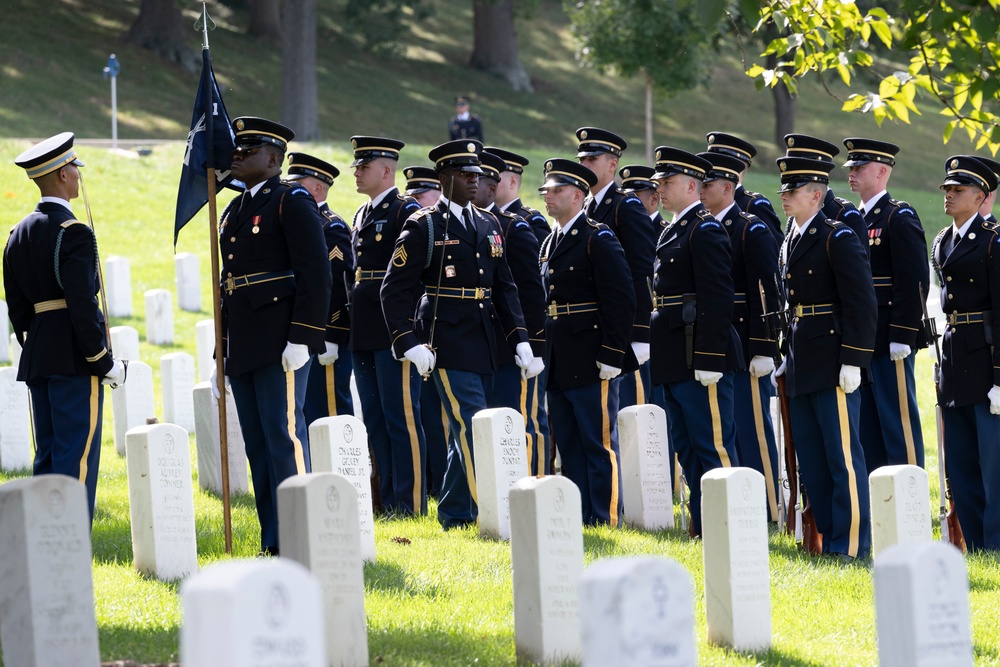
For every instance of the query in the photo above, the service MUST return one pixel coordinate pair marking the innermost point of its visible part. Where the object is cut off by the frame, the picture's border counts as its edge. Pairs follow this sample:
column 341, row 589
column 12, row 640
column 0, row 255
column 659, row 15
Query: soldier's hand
column 761, row 365
column 608, row 372
column 331, row 355
column 534, row 368
column 523, row 355
column 116, row 376
column 422, row 357
column 850, row 378
column 994, row 396
column 294, row 357
column 778, row 372
column 898, row 351
column 641, row 351
column 213, row 381
column 707, row 378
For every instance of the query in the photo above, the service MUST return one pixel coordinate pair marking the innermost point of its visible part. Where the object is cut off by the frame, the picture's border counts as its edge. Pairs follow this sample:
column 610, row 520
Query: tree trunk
column 161, row 29
column 298, row 64
column 265, row 19
column 784, row 108
column 649, row 118
column 495, row 43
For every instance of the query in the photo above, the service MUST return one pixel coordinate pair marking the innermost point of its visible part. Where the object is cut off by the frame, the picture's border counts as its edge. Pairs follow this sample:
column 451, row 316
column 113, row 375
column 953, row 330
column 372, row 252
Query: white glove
column 850, row 378
column 641, row 351
column 707, row 378
column 116, row 376
column 994, row 396
column 608, row 372
column 761, row 366
column 213, row 381
column 523, row 355
column 778, row 372
column 422, row 357
column 898, row 351
column 331, row 355
column 294, row 357
column 534, row 368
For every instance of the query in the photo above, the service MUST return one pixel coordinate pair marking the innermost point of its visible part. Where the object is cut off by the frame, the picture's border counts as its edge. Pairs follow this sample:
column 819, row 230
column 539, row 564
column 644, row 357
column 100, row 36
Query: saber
column 100, row 271
column 437, row 289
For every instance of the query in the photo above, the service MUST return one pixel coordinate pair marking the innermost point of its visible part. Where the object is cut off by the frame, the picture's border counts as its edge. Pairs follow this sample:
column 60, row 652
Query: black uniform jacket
column 66, row 340
column 844, row 210
column 537, row 221
column 693, row 266
column 261, row 318
column 473, row 271
column 587, row 271
column 897, row 250
column 374, row 238
column 970, row 298
column 831, row 304
column 757, row 204
column 338, row 247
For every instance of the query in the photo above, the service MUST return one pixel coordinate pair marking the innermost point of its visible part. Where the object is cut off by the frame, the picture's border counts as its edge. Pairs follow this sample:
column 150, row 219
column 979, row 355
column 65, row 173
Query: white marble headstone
column 161, row 502
column 546, row 544
column 206, row 435
column 159, row 317
column 340, row 444
column 737, row 573
column 922, row 606
column 501, row 460
column 118, row 286
column 177, row 379
column 204, row 333
column 637, row 612
column 132, row 403
column 5, row 330
column 188, row 280
column 259, row 613
column 15, row 351
column 46, row 585
column 901, row 506
column 318, row 527
column 125, row 342
column 15, row 426
column 647, row 489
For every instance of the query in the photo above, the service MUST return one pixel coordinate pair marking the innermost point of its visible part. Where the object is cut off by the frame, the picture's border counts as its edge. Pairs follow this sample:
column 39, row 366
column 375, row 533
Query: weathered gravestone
column 922, row 606
column 737, row 575
column 188, row 281
column 340, row 444
column 118, row 286
column 15, row 427
column 159, row 317
column 901, row 506
column 5, row 329
column 318, row 527
column 204, row 333
column 132, row 403
column 206, row 435
column 161, row 504
column 46, row 588
column 637, row 612
column 260, row 613
column 501, row 460
column 177, row 380
column 647, row 490
column 546, row 544
column 125, row 342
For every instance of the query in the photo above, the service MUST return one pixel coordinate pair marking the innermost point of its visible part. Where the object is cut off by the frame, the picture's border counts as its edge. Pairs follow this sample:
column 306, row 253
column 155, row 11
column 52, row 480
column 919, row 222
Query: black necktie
column 556, row 240
column 467, row 220
column 591, row 207
column 953, row 241
column 796, row 235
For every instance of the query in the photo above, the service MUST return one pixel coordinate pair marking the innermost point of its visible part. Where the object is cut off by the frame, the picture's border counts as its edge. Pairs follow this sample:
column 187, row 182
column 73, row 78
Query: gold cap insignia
column 409, row 173
column 711, row 138
column 583, row 135
column 657, row 155
column 791, row 141
column 239, row 126
column 625, row 173
column 954, row 164
column 850, row 145
column 548, row 166
column 354, row 143
column 471, row 148
column 782, row 165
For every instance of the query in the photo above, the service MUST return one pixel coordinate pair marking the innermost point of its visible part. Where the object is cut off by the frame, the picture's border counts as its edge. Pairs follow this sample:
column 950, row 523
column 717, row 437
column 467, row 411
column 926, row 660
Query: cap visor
column 856, row 163
column 360, row 161
column 788, row 187
column 590, row 153
column 471, row 169
column 77, row 162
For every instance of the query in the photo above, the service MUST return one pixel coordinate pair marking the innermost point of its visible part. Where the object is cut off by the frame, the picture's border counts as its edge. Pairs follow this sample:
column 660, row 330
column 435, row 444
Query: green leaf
column 948, row 129
column 845, row 74
column 883, row 32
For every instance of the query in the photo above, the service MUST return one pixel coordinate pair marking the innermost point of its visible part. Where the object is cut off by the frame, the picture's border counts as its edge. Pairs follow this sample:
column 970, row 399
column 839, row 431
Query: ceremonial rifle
column 437, row 289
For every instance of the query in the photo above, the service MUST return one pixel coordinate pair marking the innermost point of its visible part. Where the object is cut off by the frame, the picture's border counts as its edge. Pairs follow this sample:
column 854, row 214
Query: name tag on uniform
column 447, row 242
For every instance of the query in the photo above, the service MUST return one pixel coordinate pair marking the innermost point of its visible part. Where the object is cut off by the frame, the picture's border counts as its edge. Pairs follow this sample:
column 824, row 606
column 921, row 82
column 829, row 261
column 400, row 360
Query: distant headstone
column 340, row 444
column 132, row 403
column 15, row 426
column 125, row 343
column 161, row 502
column 159, row 317
column 318, row 527
column 177, row 378
column 188, row 281
column 501, row 459
column 46, row 585
column 259, row 613
column 637, row 612
column 922, row 606
column 546, row 544
column 647, row 489
column 206, row 435
column 204, row 331
column 15, row 351
column 5, row 329
column 118, row 286
column 737, row 575
column 901, row 506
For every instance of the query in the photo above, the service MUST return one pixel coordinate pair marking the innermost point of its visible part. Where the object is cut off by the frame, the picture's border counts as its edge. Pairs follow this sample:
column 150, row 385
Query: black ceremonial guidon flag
column 210, row 143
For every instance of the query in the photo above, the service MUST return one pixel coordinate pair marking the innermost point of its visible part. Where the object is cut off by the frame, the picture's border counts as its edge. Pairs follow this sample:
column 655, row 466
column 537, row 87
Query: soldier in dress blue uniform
column 464, row 125
column 695, row 348
column 455, row 252
column 508, row 192
column 755, row 274
column 751, row 202
column 328, row 393
column 832, row 305
column 422, row 185
column 587, row 331
column 599, row 150
column 966, row 256
column 276, row 283
column 897, row 248
column 50, row 279
column 389, row 389
column 637, row 179
column 986, row 210
column 510, row 389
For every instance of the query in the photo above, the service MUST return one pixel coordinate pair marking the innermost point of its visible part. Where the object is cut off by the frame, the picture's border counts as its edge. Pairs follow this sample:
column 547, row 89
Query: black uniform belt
column 477, row 293
column 967, row 318
column 664, row 301
column 882, row 281
column 233, row 283
column 740, row 297
column 805, row 310
column 51, row 304
column 360, row 275
column 557, row 309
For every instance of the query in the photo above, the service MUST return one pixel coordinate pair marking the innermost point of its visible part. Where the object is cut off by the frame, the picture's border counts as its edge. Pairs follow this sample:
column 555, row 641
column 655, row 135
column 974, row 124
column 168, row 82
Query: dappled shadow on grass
column 418, row 647
column 776, row 657
column 111, row 537
column 142, row 644
column 390, row 578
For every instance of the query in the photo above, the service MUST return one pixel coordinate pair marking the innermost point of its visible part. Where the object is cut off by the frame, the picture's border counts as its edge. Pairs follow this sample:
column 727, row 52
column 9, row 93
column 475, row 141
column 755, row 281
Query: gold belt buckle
column 797, row 311
column 230, row 285
column 480, row 293
column 357, row 275
column 553, row 310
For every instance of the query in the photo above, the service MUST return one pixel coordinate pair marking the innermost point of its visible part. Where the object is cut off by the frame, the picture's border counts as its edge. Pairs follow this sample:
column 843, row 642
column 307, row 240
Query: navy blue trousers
column 525, row 396
column 755, row 441
column 890, row 422
column 972, row 456
column 67, row 413
column 269, row 405
column 328, row 393
column 435, row 422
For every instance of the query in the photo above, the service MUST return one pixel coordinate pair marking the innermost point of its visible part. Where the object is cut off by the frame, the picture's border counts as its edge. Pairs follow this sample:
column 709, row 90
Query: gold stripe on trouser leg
column 528, row 438
column 411, row 431
column 463, row 434
column 765, row 455
column 904, row 412
column 640, row 391
column 331, row 391
column 852, row 481
column 606, row 439
column 95, row 387
column 540, row 453
column 713, row 406
column 300, row 462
